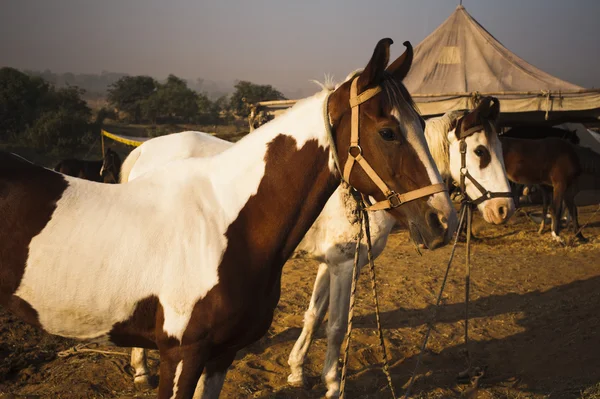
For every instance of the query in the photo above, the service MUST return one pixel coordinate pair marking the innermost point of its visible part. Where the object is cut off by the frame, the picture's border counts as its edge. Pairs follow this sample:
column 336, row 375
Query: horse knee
column 336, row 332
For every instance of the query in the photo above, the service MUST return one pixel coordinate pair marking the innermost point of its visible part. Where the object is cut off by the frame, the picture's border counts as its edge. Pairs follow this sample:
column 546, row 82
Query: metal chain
column 351, row 307
column 468, row 282
column 385, row 368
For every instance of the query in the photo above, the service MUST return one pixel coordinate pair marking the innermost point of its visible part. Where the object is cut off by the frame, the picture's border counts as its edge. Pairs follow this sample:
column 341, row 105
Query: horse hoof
column 558, row 240
column 297, row 380
column 143, row 383
column 582, row 239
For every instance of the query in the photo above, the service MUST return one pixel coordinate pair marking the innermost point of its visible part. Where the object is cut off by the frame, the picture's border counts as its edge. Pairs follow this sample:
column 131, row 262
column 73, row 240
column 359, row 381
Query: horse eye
column 387, row 134
column 479, row 152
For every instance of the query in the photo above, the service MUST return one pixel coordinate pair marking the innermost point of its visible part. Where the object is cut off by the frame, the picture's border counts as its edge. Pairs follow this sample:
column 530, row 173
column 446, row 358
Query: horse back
column 543, row 161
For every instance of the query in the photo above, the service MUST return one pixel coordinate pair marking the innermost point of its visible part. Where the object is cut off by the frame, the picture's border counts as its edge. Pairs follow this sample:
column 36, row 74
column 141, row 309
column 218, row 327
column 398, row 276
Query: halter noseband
column 393, row 199
column 464, row 172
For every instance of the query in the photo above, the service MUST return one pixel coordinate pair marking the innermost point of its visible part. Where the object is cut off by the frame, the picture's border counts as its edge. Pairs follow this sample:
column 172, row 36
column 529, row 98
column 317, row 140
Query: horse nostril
column 436, row 221
column 502, row 212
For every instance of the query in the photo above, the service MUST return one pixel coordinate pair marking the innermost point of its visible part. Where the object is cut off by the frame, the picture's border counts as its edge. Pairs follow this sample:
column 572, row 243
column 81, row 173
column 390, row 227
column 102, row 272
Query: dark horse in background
column 539, row 132
column 542, row 132
column 554, row 162
column 105, row 170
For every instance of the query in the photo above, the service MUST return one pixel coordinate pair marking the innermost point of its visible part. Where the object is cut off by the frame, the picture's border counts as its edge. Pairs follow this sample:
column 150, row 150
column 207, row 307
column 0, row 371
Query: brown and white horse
column 330, row 239
column 188, row 258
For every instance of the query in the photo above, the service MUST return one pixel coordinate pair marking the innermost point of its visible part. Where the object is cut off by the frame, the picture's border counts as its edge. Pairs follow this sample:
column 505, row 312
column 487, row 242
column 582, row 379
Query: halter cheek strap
column 393, row 199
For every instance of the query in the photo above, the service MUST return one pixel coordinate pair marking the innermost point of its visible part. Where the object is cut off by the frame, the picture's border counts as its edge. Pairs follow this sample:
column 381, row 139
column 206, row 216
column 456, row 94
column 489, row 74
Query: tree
column 172, row 100
column 19, row 97
column 63, row 121
column 178, row 100
column 129, row 93
column 251, row 93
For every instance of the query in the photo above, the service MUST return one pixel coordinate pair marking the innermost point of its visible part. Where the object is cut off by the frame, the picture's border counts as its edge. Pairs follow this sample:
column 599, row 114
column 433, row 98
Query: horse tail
column 589, row 161
column 128, row 165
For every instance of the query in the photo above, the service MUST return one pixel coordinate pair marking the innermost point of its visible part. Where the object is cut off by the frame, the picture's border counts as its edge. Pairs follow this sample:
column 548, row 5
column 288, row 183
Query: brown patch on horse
column 484, row 156
column 239, row 310
column 139, row 330
column 28, row 197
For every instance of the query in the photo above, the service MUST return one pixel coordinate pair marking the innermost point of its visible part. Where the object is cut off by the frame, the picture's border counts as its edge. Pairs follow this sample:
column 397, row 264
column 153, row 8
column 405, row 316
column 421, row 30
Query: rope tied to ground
column 89, row 348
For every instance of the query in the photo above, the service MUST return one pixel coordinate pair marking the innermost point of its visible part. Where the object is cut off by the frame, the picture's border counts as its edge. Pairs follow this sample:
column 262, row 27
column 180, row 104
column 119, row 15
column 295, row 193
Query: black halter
column 464, row 172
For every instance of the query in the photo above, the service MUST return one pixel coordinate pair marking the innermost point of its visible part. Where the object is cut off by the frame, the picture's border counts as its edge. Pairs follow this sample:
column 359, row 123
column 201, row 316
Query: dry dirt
column 534, row 325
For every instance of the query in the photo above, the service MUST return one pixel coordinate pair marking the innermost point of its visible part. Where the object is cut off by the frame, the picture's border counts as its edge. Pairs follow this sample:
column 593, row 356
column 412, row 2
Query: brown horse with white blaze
column 188, row 258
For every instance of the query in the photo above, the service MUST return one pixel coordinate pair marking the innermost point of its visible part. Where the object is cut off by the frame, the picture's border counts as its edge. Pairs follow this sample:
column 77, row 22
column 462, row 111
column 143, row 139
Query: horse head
column 382, row 150
column 111, row 165
column 476, row 159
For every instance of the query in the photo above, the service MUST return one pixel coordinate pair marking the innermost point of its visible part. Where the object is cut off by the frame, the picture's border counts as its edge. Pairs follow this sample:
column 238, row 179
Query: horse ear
column 373, row 73
column 399, row 68
column 455, row 116
column 489, row 108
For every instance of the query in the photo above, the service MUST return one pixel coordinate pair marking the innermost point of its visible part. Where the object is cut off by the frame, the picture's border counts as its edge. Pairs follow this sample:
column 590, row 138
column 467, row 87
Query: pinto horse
column 187, row 259
column 330, row 239
column 104, row 171
column 565, row 167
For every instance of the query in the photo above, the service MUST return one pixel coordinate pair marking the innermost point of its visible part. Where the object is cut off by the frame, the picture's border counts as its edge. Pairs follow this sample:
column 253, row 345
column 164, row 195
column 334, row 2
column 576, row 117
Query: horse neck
column 273, row 184
column 436, row 134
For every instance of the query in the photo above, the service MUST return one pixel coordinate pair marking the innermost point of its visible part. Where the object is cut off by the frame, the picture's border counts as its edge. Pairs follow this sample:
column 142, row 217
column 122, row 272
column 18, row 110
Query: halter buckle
column 394, row 200
column 352, row 147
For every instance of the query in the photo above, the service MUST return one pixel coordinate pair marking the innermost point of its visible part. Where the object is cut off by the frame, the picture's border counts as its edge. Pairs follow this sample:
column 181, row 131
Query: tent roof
column 461, row 61
column 461, row 56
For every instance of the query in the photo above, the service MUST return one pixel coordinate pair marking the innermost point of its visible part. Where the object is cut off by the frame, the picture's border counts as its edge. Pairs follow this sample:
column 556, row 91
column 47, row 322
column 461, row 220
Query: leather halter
column 393, row 199
column 464, row 172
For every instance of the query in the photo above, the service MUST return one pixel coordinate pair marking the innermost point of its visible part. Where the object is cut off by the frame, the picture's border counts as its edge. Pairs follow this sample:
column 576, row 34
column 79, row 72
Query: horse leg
column 212, row 379
column 139, row 362
column 180, row 368
column 339, row 302
column 574, row 213
column 544, row 208
column 312, row 320
column 557, row 201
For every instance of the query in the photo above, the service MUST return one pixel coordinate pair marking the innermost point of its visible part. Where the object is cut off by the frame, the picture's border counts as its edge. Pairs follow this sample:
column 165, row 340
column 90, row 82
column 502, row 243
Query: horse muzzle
column 498, row 210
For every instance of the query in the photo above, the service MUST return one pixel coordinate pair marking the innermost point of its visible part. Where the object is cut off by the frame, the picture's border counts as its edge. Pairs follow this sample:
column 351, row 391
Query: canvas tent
column 461, row 61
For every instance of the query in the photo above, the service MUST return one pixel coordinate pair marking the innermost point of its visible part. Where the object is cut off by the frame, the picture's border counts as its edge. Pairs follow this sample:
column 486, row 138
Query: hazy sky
column 280, row 42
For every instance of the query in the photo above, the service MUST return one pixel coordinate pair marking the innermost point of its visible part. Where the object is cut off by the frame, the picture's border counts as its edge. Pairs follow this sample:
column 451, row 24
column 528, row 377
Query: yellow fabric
column 132, row 141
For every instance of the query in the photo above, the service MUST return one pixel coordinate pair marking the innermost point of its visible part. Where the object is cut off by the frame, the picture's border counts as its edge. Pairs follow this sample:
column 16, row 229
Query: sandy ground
column 534, row 326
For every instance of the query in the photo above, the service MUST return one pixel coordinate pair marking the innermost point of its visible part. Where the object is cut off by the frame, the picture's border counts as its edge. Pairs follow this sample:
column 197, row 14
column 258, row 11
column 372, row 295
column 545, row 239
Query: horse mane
column 436, row 133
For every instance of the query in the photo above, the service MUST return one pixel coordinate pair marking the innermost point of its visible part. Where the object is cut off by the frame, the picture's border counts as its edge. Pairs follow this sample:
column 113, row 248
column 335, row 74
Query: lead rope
column 364, row 221
column 386, row 367
column 437, row 304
